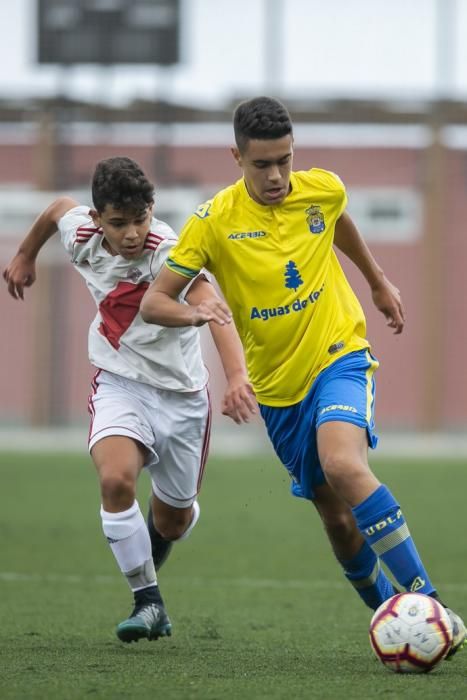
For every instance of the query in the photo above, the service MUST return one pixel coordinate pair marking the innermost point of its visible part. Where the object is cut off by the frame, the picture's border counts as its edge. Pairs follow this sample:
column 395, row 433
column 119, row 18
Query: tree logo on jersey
column 203, row 210
column 315, row 219
column 292, row 276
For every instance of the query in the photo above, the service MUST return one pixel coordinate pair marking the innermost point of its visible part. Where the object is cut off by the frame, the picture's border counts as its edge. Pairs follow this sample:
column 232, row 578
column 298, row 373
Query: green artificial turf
column 258, row 605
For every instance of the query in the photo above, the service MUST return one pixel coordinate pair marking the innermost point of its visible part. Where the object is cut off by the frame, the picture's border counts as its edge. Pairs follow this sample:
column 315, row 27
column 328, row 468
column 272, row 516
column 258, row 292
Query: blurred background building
column 377, row 94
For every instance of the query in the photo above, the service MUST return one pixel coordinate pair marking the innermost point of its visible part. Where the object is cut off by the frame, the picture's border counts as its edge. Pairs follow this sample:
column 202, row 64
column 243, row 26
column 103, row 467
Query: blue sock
column 367, row 577
column 383, row 525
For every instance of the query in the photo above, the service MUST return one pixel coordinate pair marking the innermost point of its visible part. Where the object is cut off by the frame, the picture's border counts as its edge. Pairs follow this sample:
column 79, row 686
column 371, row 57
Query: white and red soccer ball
column 411, row 633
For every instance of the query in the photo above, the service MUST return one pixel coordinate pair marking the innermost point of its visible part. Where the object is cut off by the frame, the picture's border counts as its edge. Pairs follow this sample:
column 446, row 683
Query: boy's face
column 266, row 165
column 125, row 230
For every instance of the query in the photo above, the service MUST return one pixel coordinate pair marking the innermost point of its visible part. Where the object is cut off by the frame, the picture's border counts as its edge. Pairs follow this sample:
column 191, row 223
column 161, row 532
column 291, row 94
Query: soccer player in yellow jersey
column 269, row 240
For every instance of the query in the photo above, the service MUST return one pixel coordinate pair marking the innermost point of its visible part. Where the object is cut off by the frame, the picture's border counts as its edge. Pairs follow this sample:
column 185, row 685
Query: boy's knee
column 117, row 489
column 335, row 464
column 341, row 469
column 340, row 525
column 177, row 524
column 172, row 527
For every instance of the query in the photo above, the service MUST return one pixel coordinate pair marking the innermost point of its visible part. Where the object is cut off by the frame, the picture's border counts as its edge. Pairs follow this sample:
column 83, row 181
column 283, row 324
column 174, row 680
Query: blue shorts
column 344, row 391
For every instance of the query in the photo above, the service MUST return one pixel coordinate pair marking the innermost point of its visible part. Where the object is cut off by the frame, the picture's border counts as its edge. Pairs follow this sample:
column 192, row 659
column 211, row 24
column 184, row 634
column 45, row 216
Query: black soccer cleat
column 145, row 622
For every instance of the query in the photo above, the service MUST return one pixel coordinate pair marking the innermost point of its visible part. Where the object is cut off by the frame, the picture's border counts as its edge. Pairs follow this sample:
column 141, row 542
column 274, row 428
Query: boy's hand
column 387, row 298
column 239, row 402
column 211, row 309
column 20, row 273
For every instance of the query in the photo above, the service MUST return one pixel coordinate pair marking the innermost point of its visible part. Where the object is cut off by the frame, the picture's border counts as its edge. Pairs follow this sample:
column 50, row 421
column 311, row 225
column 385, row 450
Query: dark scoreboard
column 108, row 31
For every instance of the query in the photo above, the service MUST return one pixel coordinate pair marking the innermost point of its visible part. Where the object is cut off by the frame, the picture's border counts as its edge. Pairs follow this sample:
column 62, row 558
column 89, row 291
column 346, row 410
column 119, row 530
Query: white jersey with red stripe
column 119, row 340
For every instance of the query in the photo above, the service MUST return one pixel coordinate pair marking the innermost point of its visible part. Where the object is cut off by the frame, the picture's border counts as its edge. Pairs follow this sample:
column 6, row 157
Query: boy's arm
column 160, row 304
column 21, row 270
column 239, row 401
column 386, row 296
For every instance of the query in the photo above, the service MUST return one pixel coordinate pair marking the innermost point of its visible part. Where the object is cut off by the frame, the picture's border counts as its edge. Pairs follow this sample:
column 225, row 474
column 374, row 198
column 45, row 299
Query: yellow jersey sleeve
column 332, row 185
column 194, row 247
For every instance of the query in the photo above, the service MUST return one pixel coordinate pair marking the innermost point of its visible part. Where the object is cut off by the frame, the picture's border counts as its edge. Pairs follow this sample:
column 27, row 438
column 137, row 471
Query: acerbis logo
column 338, row 407
column 246, row 234
column 417, row 584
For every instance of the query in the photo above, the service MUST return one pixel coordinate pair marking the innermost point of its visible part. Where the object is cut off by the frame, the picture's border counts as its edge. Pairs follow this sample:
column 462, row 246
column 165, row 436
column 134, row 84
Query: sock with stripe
column 383, row 526
column 367, row 577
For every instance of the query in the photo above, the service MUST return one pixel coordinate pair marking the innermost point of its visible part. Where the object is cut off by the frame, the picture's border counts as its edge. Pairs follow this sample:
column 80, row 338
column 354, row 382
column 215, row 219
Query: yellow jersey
column 275, row 264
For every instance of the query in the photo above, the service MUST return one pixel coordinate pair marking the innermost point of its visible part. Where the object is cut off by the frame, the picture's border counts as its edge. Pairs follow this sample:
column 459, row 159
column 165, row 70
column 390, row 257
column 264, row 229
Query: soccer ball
column 410, row 633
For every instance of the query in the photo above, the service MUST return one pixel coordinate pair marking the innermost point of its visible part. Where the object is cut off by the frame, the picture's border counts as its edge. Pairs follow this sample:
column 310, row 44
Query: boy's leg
column 294, row 437
column 343, row 449
column 182, row 426
column 160, row 547
column 119, row 460
column 343, row 455
column 360, row 564
column 166, row 525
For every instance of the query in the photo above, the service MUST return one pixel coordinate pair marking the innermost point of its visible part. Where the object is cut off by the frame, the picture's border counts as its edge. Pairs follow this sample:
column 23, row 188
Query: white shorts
column 174, row 427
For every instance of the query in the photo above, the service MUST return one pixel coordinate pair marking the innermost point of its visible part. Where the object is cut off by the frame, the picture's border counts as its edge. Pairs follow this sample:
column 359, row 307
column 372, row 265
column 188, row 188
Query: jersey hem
column 282, row 403
column 160, row 387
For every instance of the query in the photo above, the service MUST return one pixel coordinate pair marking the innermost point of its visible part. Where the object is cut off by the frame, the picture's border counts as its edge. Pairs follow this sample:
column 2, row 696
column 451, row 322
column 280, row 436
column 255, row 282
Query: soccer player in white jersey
column 149, row 402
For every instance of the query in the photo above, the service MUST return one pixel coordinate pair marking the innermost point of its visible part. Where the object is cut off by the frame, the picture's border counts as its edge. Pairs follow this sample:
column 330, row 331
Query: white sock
column 129, row 540
column 194, row 520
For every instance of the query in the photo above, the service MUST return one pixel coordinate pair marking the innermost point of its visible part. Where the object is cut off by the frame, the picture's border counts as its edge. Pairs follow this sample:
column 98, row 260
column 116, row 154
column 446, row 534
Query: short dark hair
column 260, row 118
column 120, row 182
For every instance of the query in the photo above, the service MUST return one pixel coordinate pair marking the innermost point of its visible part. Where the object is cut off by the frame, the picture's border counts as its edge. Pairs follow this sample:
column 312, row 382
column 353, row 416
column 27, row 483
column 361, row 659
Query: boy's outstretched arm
column 386, row 297
column 160, row 304
column 21, row 270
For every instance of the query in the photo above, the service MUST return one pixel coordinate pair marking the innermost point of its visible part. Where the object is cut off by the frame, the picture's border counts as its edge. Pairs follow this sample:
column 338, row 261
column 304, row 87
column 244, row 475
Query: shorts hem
column 172, row 501
column 114, row 432
column 360, row 423
column 330, row 418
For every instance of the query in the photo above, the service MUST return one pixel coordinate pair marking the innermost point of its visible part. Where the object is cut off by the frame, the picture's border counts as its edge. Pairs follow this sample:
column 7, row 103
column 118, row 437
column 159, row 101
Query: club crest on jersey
column 315, row 219
column 133, row 274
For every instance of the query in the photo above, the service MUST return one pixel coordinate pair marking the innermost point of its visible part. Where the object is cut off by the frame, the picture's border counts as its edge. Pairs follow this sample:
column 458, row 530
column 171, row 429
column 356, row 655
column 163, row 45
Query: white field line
column 290, row 584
